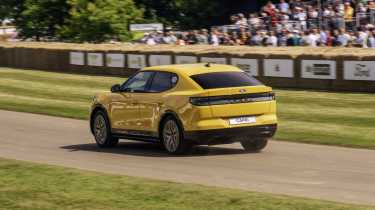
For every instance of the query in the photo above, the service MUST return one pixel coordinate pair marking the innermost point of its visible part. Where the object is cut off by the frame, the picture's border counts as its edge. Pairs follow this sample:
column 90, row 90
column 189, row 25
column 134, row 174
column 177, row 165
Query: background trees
column 101, row 20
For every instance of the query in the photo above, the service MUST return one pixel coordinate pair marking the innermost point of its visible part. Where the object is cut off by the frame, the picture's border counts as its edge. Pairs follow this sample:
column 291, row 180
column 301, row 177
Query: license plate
column 242, row 120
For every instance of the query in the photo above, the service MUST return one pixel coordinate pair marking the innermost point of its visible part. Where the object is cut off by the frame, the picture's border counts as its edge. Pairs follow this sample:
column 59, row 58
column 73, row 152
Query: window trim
column 149, row 82
column 152, row 80
column 132, row 76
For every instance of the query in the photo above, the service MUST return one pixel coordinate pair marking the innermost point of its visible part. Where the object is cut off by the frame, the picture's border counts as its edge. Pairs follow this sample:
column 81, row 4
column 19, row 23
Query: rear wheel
column 254, row 145
column 172, row 137
column 102, row 131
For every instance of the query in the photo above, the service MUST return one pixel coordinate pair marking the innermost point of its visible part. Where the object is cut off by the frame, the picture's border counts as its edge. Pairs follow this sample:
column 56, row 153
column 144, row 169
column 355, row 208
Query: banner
column 185, row 59
column 278, row 68
column 359, row 70
column 136, row 61
column 318, row 69
column 157, row 60
column 248, row 65
column 77, row 58
column 95, row 59
column 115, row 60
column 146, row 27
column 213, row 60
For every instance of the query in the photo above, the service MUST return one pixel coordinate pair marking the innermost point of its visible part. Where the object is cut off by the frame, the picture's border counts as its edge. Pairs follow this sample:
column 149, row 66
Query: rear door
column 151, row 102
column 234, row 94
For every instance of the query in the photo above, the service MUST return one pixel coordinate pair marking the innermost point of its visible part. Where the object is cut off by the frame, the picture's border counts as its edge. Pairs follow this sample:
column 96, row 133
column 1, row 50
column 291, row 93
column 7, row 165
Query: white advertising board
column 147, row 27
column 185, row 59
column 278, row 68
column 248, row 65
column 318, row 69
column 115, row 60
column 95, row 59
column 77, row 58
column 157, row 60
column 213, row 60
column 136, row 61
column 359, row 70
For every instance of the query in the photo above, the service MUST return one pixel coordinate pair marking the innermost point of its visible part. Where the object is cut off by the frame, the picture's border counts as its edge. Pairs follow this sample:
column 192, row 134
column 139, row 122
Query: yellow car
column 184, row 105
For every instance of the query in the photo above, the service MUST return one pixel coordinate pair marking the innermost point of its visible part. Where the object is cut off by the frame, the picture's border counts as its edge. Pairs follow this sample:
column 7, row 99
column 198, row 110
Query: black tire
column 254, row 145
column 172, row 137
column 102, row 131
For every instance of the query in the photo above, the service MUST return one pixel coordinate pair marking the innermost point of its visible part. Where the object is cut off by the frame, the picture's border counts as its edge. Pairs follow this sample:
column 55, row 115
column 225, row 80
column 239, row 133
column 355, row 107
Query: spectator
column 271, row 39
column 348, row 15
column 214, row 38
column 283, row 6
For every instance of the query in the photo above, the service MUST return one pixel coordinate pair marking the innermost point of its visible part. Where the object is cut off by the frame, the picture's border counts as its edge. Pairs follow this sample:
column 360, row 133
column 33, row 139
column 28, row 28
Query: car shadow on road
column 154, row 150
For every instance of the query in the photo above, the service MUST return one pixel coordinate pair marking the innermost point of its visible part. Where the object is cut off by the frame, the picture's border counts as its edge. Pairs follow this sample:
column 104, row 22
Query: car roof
column 193, row 69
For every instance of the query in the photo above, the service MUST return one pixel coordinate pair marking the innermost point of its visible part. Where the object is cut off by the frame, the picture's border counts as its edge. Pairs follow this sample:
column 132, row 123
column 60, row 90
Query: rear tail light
column 232, row 99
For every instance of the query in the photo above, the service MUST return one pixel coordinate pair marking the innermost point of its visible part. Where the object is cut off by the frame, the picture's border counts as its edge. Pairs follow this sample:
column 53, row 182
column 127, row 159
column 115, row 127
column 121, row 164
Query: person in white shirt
column 271, row 39
column 215, row 38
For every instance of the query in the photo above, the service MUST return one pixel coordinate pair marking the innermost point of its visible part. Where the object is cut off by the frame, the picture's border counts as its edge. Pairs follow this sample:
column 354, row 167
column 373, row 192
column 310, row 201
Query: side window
column 163, row 81
column 138, row 83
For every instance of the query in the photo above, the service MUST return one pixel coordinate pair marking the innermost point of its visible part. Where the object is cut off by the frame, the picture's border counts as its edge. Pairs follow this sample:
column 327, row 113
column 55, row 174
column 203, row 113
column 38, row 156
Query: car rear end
column 232, row 105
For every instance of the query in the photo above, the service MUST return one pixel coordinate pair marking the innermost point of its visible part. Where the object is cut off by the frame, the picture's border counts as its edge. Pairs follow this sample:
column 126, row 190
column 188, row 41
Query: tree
column 100, row 20
column 193, row 14
column 10, row 8
column 40, row 18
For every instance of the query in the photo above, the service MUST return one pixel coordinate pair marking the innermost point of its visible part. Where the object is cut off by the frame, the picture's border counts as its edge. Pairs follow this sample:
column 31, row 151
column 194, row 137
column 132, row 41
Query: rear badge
column 242, row 91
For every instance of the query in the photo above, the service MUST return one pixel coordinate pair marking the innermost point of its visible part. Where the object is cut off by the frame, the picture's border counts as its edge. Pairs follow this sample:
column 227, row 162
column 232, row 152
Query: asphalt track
column 329, row 173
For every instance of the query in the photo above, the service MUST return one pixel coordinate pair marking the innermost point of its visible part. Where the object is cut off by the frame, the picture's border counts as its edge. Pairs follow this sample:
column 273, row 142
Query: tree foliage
column 189, row 14
column 100, row 20
column 41, row 18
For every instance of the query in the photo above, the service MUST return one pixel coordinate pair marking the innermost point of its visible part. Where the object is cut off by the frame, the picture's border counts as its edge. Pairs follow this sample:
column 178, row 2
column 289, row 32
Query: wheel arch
column 95, row 109
column 164, row 116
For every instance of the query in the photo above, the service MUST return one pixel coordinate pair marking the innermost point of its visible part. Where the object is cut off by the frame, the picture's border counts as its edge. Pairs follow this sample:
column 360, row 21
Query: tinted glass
column 138, row 83
column 163, row 81
column 225, row 80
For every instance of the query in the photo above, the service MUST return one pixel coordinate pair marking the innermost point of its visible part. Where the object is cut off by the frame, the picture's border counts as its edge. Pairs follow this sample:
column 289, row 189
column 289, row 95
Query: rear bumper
column 230, row 135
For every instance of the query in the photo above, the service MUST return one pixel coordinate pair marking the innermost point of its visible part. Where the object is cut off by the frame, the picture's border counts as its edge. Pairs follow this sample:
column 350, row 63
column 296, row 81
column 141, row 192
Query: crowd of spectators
column 344, row 23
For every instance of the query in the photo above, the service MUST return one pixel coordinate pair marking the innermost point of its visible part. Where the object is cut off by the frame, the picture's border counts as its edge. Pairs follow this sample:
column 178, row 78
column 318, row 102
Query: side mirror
column 116, row 88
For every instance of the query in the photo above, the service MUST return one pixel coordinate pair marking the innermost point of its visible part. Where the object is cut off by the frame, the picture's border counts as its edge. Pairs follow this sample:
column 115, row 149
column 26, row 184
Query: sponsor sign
column 115, row 60
column 95, row 59
column 359, row 70
column 147, row 27
column 213, row 60
column 278, row 68
column 77, row 58
column 136, row 61
column 185, row 59
column 318, row 69
column 248, row 65
column 157, row 60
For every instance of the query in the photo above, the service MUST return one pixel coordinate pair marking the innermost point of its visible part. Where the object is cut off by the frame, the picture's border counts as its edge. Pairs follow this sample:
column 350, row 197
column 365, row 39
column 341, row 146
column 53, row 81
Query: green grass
column 344, row 119
column 28, row 186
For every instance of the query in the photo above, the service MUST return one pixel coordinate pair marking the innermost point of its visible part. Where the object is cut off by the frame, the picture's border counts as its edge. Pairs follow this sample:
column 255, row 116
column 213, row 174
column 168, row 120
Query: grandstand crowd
column 347, row 23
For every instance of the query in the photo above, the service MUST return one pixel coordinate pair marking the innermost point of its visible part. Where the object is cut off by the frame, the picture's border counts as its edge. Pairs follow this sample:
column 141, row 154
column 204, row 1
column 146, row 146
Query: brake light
column 232, row 99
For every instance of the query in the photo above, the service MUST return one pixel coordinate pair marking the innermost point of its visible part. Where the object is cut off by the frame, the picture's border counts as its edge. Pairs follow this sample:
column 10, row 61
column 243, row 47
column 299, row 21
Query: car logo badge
column 242, row 91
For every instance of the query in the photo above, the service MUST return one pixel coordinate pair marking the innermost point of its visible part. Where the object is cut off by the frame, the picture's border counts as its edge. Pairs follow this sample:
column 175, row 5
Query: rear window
column 225, row 80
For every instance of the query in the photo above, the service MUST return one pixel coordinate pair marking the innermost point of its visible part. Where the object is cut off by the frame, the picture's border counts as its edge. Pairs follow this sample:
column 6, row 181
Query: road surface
column 329, row 173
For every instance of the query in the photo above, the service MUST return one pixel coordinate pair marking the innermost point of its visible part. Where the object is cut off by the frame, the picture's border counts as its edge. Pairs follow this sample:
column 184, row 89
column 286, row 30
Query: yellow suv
column 184, row 105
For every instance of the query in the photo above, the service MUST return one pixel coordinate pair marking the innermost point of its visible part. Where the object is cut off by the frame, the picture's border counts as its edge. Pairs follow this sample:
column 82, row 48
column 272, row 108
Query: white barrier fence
column 279, row 68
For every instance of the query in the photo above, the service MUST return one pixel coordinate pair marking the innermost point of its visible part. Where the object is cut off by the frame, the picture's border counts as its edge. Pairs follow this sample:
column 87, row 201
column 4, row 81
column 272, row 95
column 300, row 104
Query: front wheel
column 102, row 131
column 254, row 145
column 172, row 137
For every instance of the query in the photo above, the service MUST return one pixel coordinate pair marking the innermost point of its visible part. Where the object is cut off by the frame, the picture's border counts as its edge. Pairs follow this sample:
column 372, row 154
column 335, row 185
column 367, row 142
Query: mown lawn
column 345, row 119
column 28, row 186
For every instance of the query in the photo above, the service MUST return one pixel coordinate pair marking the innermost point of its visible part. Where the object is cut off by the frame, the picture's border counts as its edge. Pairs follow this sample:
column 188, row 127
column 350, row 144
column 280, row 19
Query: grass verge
column 28, row 186
column 344, row 119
